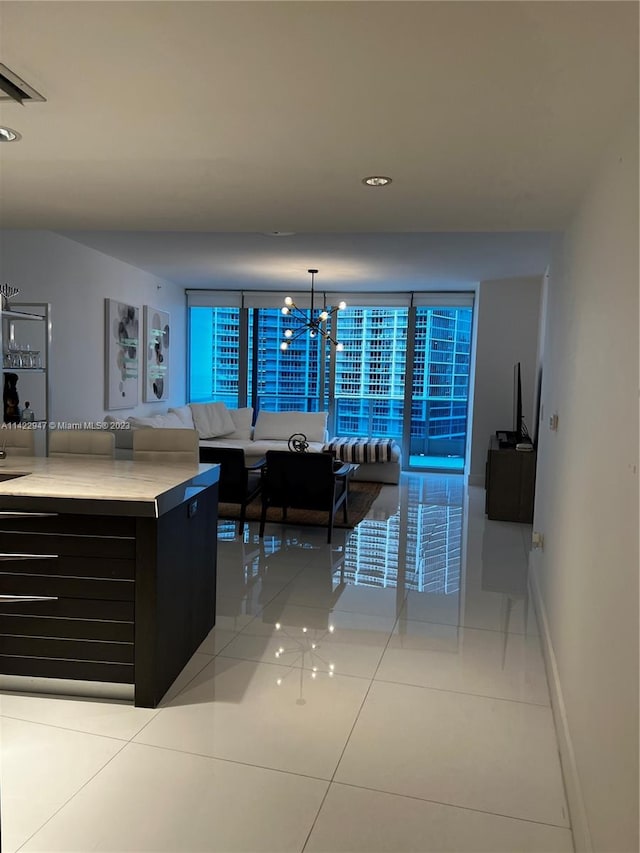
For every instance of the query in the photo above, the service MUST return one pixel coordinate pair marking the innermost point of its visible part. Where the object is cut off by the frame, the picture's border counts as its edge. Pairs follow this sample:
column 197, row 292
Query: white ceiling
column 376, row 262
column 250, row 117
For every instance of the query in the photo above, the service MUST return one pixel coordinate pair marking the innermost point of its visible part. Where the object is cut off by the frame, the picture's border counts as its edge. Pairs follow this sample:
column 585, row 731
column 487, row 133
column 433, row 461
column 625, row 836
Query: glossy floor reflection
column 384, row 693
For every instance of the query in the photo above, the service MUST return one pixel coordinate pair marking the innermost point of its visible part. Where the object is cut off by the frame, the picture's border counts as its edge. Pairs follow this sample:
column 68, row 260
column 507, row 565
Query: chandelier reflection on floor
column 314, row 324
column 304, row 656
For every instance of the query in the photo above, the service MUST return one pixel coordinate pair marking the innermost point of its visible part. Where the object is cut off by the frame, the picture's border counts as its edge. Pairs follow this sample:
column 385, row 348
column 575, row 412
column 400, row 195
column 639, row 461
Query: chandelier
column 309, row 322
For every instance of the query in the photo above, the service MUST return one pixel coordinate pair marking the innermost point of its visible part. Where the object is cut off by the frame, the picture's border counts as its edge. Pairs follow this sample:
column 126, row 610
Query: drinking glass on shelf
column 12, row 354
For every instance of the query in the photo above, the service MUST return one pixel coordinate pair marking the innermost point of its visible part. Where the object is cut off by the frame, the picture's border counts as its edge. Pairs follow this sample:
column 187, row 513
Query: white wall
column 507, row 333
column 586, row 578
column 76, row 280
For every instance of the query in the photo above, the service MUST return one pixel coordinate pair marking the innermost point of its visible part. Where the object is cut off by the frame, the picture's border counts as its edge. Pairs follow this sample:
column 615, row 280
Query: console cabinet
column 510, row 483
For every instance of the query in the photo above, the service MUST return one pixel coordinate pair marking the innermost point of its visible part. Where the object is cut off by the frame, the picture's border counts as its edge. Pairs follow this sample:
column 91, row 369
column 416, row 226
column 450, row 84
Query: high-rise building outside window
column 370, row 371
column 369, row 390
column 440, row 385
column 214, row 336
column 286, row 381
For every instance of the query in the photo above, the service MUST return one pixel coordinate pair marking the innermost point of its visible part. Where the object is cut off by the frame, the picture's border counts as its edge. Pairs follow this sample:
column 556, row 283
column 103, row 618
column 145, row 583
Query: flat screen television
column 519, row 433
column 518, row 426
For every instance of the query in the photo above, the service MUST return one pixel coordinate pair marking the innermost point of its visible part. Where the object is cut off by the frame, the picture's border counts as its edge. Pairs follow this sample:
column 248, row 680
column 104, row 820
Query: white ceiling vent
column 13, row 88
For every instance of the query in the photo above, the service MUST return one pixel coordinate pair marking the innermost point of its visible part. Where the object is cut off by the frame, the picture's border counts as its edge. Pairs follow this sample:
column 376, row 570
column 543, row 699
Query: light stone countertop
column 105, row 486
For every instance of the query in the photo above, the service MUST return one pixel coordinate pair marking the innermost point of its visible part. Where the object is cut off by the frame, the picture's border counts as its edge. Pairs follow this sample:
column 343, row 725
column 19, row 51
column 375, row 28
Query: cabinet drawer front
column 74, row 669
column 70, row 629
column 65, row 587
column 84, row 525
column 63, row 649
column 78, row 545
column 74, row 567
column 72, row 608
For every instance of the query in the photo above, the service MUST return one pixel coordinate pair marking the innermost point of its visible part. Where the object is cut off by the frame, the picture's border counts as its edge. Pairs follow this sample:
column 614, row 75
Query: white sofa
column 219, row 426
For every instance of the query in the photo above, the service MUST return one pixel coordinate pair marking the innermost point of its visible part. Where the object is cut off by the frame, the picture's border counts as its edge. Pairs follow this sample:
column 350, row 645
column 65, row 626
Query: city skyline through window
column 364, row 390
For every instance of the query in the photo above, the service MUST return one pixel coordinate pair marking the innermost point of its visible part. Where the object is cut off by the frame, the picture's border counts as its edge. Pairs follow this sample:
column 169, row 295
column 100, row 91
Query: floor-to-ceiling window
column 440, row 392
column 403, row 372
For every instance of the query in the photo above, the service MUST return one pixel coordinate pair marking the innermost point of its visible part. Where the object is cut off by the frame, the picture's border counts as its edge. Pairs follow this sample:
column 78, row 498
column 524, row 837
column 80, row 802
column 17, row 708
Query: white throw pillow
column 242, row 421
column 185, row 415
column 212, row 419
column 170, row 420
column 139, row 423
column 282, row 425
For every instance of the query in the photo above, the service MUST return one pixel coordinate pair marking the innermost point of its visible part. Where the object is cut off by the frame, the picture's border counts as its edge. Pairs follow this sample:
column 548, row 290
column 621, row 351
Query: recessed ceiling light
column 376, row 181
column 8, row 135
column 279, row 233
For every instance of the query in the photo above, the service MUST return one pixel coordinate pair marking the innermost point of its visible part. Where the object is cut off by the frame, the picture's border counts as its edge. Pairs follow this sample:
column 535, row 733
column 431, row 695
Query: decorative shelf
column 21, row 315
column 29, row 323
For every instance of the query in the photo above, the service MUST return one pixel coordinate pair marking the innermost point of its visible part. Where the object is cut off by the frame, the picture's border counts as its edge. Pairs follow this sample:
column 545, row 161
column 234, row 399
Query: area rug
column 361, row 496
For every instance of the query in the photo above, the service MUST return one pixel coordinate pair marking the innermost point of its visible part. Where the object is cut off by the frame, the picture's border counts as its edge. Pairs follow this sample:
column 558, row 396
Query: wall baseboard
column 575, row 801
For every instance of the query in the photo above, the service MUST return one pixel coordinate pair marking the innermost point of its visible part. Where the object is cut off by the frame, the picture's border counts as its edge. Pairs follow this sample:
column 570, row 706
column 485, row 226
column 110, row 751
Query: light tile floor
column 385, row 693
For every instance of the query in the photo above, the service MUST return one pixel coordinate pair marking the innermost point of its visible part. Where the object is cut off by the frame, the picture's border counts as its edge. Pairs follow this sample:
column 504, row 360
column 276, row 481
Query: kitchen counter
column 111, row 487
column 107, row 570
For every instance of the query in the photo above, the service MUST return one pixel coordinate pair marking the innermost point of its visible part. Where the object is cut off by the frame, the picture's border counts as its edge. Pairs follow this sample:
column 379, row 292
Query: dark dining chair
column 304, row 481
column 239, row 483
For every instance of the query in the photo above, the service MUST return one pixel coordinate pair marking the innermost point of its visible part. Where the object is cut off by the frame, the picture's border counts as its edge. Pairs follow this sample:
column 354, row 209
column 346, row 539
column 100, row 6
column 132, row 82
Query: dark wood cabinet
column 510, row 483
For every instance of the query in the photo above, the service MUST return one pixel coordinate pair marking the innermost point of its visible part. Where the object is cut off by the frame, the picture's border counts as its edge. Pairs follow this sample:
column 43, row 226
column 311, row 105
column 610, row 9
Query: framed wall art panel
column 122, row 323
column 157, row 337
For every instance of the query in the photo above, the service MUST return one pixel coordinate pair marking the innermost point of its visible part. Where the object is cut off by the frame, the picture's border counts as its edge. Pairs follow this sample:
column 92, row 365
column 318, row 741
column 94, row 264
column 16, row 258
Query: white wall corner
column 573, row 789
column 506, row 332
